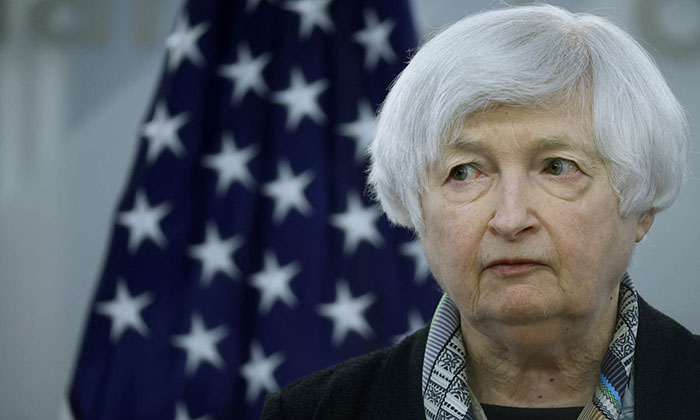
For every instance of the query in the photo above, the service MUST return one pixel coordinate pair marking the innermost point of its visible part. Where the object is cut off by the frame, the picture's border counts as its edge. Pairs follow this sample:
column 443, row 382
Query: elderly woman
column 530, row 149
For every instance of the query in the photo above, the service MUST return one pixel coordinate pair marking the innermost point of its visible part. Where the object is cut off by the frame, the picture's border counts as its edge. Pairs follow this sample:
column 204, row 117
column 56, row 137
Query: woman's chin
column 531, row 326
column 520, row 305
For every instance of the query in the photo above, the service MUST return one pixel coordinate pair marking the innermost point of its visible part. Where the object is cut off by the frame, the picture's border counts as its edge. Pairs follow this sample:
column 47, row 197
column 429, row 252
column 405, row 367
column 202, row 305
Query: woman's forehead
column 513, row 128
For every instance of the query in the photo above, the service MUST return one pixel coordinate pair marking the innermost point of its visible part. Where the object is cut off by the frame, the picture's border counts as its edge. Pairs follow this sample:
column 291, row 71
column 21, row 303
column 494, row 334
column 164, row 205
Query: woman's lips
column 513, row 269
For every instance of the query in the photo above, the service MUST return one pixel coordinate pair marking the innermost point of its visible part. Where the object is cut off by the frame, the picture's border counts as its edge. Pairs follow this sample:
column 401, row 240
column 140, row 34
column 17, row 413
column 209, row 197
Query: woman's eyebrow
column 467, row 144
column 564, row 142
column 553, row 142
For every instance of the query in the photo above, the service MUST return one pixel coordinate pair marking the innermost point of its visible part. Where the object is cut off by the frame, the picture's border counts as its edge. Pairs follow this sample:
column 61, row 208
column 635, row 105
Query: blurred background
column 76, row 77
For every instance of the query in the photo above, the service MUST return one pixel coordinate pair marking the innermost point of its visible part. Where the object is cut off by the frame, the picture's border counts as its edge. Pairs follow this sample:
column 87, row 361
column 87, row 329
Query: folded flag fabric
column 245, row 252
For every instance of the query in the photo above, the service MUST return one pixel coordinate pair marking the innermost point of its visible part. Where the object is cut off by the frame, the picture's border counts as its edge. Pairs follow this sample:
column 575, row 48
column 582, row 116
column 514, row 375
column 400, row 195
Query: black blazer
column 386, row 384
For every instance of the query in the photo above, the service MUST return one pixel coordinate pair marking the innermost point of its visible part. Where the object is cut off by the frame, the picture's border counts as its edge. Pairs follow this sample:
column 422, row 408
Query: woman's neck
column 555, row 363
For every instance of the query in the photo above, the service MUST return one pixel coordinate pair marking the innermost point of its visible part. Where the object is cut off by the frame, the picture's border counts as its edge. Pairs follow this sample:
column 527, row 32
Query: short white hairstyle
column 531, row 56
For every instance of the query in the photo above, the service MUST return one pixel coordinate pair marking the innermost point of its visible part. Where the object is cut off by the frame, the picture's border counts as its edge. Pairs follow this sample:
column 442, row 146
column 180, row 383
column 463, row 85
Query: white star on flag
column 143, row 222
column 246, row 73
column 259, row 372
column 273, row 282
column 231, row 164
column 181, row 413
column 415, row 322
column 301, row 100
column 216, row 254
column 361, row 130
column 124, row 311
column 312, row 13
column 347, row 313
column 414, row 250
column 200, row 345
column 358, row 224
column 375, row 39
column 252, row 5
column 288, row 192
column 161, row 132
column 182, row 43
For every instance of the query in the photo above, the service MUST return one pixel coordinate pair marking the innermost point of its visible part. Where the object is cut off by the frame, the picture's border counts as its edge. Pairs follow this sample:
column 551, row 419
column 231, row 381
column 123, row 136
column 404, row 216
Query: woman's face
column 522, row 223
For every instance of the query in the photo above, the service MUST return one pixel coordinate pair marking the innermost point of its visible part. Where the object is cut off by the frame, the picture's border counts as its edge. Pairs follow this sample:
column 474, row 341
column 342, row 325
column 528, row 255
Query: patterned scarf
column 446, row 394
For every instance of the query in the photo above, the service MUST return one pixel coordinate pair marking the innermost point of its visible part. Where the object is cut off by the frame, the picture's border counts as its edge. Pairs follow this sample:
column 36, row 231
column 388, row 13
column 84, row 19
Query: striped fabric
column 446, row 394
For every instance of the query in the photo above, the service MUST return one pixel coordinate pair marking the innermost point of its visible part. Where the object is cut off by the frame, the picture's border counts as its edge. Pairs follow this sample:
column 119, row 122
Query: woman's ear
column 646, row 219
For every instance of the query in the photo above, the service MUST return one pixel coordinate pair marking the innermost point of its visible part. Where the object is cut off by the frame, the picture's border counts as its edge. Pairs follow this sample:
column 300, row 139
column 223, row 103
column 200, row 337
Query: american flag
column 245, row 251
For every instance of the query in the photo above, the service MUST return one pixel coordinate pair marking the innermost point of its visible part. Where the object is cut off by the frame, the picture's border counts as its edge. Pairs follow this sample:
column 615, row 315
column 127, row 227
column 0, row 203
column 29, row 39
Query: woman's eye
column 559, row 166
column 463, row 172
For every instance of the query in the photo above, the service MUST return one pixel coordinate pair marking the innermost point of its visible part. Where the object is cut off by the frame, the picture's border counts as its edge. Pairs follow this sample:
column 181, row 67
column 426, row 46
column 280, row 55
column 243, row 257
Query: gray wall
column 69, row 113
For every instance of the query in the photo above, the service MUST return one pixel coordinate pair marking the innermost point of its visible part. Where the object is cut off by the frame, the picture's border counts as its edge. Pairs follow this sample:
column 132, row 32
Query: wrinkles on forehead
column 574, row 111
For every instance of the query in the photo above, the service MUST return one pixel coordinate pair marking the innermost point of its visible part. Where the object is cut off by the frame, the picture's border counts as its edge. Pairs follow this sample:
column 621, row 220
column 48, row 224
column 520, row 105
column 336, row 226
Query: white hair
column 531, row 56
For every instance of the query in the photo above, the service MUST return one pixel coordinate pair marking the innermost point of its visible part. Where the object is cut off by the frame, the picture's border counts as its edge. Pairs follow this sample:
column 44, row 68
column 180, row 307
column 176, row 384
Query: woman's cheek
column 460, row 193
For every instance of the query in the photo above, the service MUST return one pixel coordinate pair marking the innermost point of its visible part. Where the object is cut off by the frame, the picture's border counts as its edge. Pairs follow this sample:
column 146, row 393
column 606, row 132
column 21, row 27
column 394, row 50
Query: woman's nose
column 513, row 215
